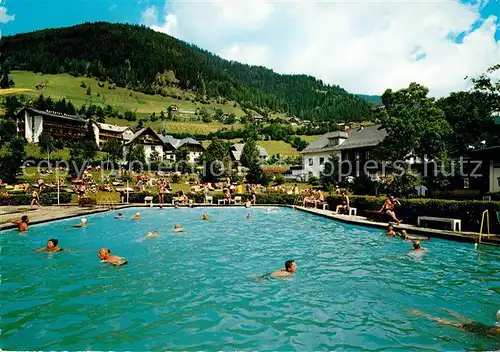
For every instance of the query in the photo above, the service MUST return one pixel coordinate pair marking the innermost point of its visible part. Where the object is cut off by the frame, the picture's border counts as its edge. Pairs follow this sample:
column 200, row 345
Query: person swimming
column 249, row 216
column 137, row 216
column 22, row 225
column 83, row 223
column 390, row 231
column 464, row 323
column 178, row 227
column 205, row 217
column 151, row 235
column 417, row 247
column 52, row 246
column 290, row 268
column 105, row 256
column 404, row 235
column 119, row 216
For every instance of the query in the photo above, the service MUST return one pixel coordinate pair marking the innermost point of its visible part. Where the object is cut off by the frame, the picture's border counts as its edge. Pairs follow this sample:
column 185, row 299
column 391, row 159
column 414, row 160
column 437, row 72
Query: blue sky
column 363, row 46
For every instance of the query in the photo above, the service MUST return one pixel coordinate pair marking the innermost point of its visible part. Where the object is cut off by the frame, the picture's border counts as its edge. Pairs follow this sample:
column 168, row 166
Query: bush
column 314, row 181
column 45, row 199
column 468, row 211
column 279, row 179
column 87, row 202
column 176, row 178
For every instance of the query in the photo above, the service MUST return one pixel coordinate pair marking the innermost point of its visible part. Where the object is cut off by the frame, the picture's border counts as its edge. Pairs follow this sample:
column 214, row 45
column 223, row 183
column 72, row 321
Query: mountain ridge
column 139, row 58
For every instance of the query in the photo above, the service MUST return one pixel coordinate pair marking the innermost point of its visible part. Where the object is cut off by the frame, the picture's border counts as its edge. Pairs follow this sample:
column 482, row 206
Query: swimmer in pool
column 390, row 231
column 249, row 216
column 404, row 235
column 119, row 216
column 82, row 224
column 151, row 235
column 290, row 268
column 106, row 257
column 52, row 246
column 417, row 247
column 465, row 324
column 137, row 216
column 22, row 225
column 178, row 227
column 205, row 217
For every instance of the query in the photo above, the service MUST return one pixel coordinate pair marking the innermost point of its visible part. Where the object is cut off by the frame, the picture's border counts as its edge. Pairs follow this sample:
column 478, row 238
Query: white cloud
column 364, row 47
column 4, row 17
column 149, row 17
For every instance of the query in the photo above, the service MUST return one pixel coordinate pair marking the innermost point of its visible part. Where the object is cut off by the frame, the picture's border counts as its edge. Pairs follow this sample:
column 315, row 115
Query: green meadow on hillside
column 122, row 99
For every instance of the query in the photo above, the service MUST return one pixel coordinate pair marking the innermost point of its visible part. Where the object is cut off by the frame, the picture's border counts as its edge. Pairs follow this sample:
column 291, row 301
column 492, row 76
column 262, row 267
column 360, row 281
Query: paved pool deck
column 411, row 229
column 50, row 213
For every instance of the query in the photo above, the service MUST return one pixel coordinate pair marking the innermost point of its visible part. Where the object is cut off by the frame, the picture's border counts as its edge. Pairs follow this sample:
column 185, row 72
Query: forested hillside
column 147, row 61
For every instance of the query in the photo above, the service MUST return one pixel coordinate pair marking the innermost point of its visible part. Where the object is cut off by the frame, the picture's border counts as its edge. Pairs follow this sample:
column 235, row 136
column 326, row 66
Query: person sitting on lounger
column 310, row 200
column 22, row 225
column 320, row 199
column 105, row 256
column 52, row 246
column 343, row 208
column 83, row 223
column 465, row 324
column 388, row 208
column 178, row 227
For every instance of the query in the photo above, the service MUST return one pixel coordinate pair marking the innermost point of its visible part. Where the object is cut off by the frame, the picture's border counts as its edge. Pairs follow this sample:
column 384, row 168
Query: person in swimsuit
column 35, row 199
column 417, row 247
column 82, row 224
column 344, row 207
column 178, row 227
column 151, row 235
column 52, row 246
column 119, row 216
column 390, row 231
column 205, row 217
column 161, row 191
column 22, row 225
column 105, row 256
column 465, row 324
column 137, row 216
column 254, row 195
column 290, row 268
column 404, row 235
column 388, row 208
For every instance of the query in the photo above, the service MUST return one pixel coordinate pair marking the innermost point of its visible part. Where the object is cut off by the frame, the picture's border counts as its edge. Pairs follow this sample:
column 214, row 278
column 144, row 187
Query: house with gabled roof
column 149, row 139
column 194, row 148
column 354, row 145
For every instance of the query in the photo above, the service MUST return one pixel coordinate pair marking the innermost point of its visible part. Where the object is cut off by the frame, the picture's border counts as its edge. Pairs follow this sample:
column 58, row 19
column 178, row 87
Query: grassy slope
column 66, row 86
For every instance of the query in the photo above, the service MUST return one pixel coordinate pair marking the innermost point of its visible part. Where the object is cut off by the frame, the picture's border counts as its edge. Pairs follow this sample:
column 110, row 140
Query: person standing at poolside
column 35, row 199
column 105, row 256
column 465, row 324
column 388, row 208
column 22, row 225
column 52, row 246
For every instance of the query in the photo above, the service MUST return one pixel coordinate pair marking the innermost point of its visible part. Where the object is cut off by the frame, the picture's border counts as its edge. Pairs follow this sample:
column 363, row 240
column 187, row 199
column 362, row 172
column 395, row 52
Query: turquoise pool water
column 352, row 291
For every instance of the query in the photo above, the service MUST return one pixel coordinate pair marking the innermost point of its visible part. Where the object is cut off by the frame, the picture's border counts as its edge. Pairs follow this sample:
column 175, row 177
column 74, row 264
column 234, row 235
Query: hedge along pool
column 353, row 289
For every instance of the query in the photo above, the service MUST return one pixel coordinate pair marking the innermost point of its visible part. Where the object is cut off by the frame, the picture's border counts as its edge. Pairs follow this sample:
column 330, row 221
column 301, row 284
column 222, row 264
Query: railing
column 487, row 214
column 298, row 201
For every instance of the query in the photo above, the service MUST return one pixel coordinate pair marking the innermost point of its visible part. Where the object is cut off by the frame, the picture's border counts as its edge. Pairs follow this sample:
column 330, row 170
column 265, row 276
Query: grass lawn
column 309, row 139
column 122, row 99
column 272, row 147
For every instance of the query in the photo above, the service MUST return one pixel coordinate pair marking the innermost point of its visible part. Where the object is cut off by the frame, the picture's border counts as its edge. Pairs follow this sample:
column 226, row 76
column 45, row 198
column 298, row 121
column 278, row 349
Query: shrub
column 314, row 181
column 279, row 179
column 176, row 178
column 45, row 199
column 87, row 202
column 468, row 211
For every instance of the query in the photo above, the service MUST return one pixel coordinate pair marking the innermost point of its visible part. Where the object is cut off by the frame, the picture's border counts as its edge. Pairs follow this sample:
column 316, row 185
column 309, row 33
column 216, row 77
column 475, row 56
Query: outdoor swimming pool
column 353, row 288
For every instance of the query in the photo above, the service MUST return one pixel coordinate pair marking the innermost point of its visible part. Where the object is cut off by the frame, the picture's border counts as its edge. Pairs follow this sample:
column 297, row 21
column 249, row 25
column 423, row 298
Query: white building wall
column 494, row 177
column 316, row 167
column 96, row 134
column 193, row 156
column 28, row 128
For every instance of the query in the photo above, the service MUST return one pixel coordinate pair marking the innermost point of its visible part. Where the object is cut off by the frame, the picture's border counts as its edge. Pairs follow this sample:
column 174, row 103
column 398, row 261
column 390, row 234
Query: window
column 321, row 160
column 311, row 162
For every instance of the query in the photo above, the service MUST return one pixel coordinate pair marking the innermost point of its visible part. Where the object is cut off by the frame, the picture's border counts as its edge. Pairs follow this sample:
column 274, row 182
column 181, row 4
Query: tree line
column 146, row 61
